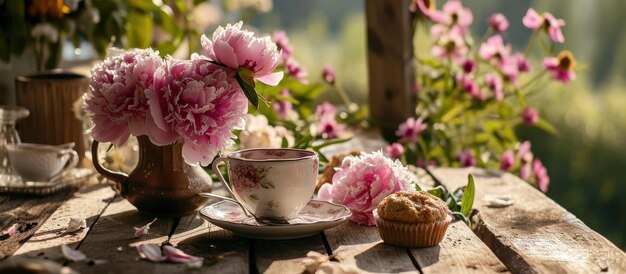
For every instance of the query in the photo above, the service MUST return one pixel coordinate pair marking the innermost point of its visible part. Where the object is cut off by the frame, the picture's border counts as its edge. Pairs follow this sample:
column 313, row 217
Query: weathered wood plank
column 88, row 203
column 111, row 239
column 390, row 62
column 30, row 213
column 460, row 251
column 362, row 247
column 198, row 237
column 285, row 256
column 535, row 234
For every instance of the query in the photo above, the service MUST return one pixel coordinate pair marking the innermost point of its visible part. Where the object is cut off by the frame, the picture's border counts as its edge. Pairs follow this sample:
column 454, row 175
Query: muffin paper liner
column 412, row 235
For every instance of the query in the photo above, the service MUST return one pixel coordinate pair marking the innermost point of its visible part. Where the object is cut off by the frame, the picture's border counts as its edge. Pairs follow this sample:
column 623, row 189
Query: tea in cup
column 271, row 182
column 41, row 163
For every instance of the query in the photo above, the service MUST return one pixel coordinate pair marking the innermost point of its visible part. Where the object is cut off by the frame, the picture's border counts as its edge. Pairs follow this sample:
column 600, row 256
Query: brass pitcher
column 162, row 184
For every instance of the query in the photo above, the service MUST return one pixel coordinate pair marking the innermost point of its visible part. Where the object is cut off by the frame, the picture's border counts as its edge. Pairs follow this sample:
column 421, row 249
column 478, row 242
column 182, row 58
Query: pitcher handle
column 217, row 172
column 119, row 179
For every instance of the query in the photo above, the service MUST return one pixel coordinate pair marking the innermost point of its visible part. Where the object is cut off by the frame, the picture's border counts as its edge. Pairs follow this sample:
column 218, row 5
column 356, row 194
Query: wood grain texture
column 535, row 234
column 30, row 214
column 87, row 203
column 198, row 237
column 390, row 62
column 285, row 256
column 460, row 251
column 112, row 240
column 361, row 246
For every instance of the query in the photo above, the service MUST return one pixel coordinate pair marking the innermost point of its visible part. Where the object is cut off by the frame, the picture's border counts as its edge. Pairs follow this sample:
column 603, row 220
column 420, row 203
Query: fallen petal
column 313, row 261
column 498, row 201
column 139, row 232
column 336, row 268
column 72, row 254
column 178, row 256
column 75, row 224
column 151, row 252
column 12, row 230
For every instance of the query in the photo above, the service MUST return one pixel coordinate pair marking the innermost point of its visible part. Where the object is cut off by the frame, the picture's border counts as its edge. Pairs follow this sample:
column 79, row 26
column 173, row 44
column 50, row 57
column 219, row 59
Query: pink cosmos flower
column 362, row 182
column 453, row 13
column 328, row 74
column 421, row 163
column 283, row 107
column 508, row 66
column 296, row 70
column 523, row 65
column 394, row 151
column 561, row 67
column 117, row 104
column 466, row 158
column 541, row 175
column 524, row 152
column 198, row 102
column 494, row 83
column 533, row 20
column 409, row 130
column 326, row 109
column 468, row 66
column 427, row 9
column 282, row 43
column 530, row 116
column 328, row 128
column 450, row 45
column 525, row 171
column 469, row 85
column 494, row 49
column 236, row 48
column 507, row 161
column 498, row 22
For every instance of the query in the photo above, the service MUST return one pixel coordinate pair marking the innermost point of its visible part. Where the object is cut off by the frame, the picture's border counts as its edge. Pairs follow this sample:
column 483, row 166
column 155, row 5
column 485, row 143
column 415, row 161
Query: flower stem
column 530, row 42
column 343, row 95
column 531, row 80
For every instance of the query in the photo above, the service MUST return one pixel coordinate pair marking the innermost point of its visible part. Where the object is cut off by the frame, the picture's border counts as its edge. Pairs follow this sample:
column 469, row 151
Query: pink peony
column 561, row 67
column 197, row 101
column 494, row 83
column 362, row 182
column 117, row 104
column 236, row 48
column 409, row 130
column 282, row 43
column 466, row 157
column 394, row 151
column 541, row 175
column 530, row 116
column 498, row 22
column 507, row 161
column 328, row 74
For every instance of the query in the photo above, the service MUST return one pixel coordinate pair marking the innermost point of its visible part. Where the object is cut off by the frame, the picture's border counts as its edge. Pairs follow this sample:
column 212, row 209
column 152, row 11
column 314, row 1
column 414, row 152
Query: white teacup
column 41, row 163
column 271, row 182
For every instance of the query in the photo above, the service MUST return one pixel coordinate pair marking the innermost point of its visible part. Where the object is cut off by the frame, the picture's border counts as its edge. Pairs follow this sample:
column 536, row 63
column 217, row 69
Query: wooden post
column 390, row 63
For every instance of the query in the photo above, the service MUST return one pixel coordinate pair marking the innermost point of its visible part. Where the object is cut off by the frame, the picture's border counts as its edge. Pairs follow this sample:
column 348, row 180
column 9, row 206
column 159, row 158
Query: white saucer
column 314, row 217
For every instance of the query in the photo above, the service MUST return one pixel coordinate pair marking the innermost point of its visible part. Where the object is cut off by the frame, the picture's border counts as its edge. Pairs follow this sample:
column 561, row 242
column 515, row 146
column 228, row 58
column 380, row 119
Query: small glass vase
column 9, row 115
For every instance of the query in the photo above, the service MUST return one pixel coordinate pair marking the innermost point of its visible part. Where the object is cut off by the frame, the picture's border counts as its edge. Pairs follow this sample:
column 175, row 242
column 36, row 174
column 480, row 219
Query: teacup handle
column 71, row 163
column 217, row 172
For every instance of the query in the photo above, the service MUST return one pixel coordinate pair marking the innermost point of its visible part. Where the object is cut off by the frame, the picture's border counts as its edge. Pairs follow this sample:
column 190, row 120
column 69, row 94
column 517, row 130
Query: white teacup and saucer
column 277, row 184
column 41, row 163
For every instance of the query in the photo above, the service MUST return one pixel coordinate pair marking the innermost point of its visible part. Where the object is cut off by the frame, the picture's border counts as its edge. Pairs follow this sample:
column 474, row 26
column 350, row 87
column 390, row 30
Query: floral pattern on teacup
column 248, row 177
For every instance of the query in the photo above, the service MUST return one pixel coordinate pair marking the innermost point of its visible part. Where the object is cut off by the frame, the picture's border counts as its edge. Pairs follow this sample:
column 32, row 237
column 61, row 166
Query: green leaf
column 438, row 191
column 546, row 126
column 417, row 187
column 284, row 143
column 321, row 155
column 460, row 216
column 467, row 201
column 249, row 91
column 139, row 28
column 332, row 142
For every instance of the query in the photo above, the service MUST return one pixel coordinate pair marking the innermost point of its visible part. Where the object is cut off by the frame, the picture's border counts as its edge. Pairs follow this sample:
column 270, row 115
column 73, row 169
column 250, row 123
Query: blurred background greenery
column 586, row 160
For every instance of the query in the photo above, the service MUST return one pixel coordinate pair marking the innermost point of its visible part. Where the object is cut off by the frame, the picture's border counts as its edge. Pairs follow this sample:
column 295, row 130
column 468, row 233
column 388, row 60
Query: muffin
column 412, row 219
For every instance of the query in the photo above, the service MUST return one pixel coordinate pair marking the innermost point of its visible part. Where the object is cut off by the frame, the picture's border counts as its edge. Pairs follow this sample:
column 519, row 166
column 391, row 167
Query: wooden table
column 533, row 235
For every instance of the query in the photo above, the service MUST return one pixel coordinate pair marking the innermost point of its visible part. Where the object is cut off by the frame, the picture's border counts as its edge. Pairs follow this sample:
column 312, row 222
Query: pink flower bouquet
column 198, row 102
